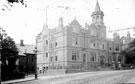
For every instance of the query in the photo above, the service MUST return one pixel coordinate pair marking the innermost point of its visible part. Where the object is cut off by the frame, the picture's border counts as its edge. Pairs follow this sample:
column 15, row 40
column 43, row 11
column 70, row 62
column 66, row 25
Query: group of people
column 116, row 66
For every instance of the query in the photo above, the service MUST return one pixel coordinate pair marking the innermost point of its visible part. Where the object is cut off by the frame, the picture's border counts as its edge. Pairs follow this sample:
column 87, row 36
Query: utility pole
column 35, row 51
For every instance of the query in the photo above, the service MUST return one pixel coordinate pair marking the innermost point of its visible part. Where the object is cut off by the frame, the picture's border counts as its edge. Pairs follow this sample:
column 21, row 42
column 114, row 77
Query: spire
column 46, row 17
column 75, row 17
column 60, row 22
column 46, row 22
column 97, row 8
column 97, row 15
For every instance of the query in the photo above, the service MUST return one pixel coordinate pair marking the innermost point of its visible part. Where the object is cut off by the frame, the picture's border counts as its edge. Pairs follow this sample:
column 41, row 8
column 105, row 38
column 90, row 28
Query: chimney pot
column 21, row 43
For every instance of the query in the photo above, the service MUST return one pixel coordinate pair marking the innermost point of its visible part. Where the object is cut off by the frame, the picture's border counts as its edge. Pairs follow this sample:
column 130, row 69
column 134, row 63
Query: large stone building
column 76, row 47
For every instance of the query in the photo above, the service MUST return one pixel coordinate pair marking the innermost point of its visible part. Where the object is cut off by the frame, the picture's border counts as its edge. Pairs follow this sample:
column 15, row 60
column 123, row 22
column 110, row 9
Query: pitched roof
column 75, row 22
column 97, row 7
column 25, row 49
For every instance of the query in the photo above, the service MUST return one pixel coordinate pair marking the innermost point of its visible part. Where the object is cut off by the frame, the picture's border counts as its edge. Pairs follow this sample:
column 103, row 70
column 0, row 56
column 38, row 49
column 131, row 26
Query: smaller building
column 26, row 56
column 125, row 41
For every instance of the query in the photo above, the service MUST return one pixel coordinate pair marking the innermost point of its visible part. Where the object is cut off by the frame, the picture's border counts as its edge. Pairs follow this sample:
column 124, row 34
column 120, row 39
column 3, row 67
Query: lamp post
column 35, row 51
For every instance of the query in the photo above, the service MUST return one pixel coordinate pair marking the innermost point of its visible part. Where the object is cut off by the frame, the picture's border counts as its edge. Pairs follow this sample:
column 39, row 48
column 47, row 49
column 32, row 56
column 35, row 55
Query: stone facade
column 77, row 47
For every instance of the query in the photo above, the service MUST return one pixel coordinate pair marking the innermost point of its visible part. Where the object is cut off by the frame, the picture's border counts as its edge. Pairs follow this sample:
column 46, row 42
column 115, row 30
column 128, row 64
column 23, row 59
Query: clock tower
column 97, row 20
column 97, row 15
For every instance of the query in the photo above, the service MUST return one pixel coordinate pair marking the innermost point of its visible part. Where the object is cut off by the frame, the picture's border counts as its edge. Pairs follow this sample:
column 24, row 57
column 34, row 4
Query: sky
column 25, row 23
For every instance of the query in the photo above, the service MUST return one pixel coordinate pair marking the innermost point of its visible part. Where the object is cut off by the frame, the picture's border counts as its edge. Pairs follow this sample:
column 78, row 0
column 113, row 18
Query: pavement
column 18, row 80
column 131, row 81
column 76, row 77
column 31, row 78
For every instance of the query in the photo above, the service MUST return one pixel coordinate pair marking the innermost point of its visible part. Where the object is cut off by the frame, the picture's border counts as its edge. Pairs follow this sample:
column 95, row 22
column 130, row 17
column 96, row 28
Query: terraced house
column 76, row 47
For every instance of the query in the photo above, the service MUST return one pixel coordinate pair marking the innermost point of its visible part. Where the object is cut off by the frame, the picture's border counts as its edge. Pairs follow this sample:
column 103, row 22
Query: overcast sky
column 26, row 23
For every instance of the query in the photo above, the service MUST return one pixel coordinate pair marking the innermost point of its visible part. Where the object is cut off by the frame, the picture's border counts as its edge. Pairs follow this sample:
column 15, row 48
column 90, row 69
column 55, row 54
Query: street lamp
column 35, row 51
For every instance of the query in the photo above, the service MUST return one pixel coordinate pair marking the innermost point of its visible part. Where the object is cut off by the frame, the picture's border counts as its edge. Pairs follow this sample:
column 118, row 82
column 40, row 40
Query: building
column 125, row 43
column 26, row 62
column 76, row 47
column 126, row 40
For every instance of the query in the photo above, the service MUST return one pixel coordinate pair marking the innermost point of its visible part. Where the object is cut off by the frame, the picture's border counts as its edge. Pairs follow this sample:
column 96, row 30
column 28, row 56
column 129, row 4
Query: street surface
column 99, row 77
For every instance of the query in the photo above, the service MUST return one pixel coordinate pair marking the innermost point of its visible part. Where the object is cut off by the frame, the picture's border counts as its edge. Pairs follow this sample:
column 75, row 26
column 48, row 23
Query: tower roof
column 97, row 10
column 97, row 7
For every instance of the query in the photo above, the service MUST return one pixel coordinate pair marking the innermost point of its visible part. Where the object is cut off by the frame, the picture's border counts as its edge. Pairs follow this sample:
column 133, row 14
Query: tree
column 9, row 50
column 17, row 1
column 130, row 53
column 132, row 47
column 8, row 4
column 9, row 53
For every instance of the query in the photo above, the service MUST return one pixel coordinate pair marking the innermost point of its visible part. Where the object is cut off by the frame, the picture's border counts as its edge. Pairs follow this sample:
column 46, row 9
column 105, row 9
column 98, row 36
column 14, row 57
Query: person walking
column 119, row 65
column 113, row 65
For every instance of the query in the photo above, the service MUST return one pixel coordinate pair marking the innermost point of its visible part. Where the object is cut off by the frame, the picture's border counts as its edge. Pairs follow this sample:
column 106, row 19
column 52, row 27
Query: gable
column 75, row 23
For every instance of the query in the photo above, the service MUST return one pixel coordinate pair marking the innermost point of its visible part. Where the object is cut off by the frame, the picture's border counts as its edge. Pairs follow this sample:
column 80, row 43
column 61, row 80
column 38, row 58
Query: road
column 99, row 77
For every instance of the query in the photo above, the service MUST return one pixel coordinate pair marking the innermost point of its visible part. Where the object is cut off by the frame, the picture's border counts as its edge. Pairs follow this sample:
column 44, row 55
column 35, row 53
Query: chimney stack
column 21, row 43
column 60, row 22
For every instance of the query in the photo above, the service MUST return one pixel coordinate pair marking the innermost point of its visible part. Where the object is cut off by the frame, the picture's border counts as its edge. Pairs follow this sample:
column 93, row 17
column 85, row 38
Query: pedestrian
column 99, row 68
column 113, row 65
column 119, row 65
column 66, row 71
column 131, row 67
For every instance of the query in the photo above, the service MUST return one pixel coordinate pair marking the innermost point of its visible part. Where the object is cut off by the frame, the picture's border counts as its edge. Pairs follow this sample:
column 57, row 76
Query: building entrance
column 102, row 60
